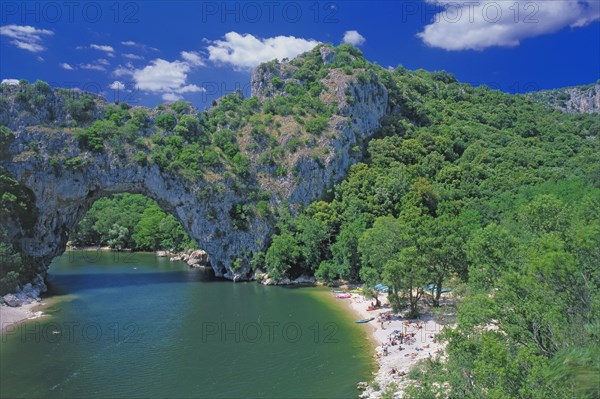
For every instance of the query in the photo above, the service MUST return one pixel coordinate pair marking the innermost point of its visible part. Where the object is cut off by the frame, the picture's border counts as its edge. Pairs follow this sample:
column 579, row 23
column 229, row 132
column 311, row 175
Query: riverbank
column 399, row 343
column 10, row 316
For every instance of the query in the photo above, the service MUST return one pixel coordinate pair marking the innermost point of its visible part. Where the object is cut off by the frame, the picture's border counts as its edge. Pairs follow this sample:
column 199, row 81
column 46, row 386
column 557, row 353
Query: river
column 122, row 325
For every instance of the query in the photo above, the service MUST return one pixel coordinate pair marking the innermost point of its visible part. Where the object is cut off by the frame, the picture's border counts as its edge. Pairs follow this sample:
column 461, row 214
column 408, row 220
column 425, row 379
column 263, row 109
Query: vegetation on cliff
column 496, row 194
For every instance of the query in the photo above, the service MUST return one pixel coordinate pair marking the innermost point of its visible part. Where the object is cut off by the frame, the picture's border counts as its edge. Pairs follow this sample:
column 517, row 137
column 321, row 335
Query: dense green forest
column 130, row 221
column 493, row 194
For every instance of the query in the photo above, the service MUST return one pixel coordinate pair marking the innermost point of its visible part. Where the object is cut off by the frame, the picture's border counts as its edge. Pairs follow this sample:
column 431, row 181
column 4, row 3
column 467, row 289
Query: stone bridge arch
column 63, row 197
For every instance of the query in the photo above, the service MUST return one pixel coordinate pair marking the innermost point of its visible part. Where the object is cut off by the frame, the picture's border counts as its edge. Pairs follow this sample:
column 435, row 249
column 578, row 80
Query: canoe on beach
column 346, row 296
column 338, row 291
column 364, row 320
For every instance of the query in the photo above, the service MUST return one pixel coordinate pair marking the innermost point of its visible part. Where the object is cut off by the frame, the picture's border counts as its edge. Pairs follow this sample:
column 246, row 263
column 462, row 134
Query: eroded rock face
column 29, row 293
column 64, row 195
column 573, row 100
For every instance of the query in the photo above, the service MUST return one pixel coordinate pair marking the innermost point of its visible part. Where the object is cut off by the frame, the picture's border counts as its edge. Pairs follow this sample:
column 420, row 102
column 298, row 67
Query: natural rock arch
column 63, row 199
column 63, row 195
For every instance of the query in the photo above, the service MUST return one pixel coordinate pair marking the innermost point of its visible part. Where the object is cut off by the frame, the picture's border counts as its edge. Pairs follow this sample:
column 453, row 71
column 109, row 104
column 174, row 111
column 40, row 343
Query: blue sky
column 149, row 52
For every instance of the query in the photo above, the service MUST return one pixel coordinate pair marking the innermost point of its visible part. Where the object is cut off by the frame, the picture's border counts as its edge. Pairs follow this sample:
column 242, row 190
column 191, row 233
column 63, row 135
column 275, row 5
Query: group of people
column 383, row 317
column 395, row 373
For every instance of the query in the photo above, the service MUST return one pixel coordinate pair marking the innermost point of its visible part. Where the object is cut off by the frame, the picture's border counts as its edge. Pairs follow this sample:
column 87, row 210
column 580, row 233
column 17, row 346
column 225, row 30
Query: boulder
column 11, row 300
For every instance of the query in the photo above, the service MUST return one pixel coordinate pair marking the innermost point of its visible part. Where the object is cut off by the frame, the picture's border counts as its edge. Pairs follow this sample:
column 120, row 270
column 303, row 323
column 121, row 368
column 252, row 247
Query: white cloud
column 116, row 85
column 92, row 67
column 102, row 47
column 354, row 38
column 161, row 75
column 40, row 58
column 192, row 58
column 144, row 47
column 487, row 23
column 133, row 56
column 26, row 37
column 11, row 82
column 171, row 97
column 166, row 78
column 247, row 51
column 126, row 70
column 103, row 61
column 66, row 66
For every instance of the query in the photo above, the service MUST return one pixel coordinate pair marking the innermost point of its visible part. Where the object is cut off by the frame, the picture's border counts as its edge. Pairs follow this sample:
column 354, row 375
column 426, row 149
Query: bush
column 6, row 137
column 140, row 119
column 188, row 127
column 316, row 125
column 94, row 137
column 181, row 107
column 75, row 163
column 81, row 109
column 166, row 121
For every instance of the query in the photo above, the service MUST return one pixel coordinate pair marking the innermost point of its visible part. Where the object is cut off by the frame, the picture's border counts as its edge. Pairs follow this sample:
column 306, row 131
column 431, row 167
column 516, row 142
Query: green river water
column 138, row 326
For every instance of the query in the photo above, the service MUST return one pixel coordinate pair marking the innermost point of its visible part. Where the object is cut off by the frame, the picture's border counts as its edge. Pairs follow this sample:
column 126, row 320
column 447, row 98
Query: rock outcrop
column 29, row 293
column 64, row 194
column 573, row 100
column 194, row 258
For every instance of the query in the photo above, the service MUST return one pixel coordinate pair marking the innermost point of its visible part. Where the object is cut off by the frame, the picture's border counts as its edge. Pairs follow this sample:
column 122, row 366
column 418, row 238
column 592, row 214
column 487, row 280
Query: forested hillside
column 493, row 194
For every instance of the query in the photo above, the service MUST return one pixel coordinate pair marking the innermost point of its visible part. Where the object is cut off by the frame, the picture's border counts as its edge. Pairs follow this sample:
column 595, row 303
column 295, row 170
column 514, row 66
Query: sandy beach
column 10, row 315
column 400, row 342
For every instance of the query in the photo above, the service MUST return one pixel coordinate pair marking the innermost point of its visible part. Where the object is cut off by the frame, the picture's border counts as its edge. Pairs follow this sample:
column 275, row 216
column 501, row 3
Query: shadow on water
column 67, row 283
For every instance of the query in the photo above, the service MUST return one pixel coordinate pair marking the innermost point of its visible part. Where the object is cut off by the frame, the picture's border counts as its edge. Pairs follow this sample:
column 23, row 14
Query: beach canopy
column 433, row 287
column 381, row 288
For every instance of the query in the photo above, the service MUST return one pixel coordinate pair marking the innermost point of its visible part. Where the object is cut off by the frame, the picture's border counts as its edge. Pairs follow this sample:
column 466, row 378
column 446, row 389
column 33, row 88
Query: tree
column 377, row 246
column 166, row 121
column 283, row 254
column 188, row 127
column 442, row 244
column 117, row 237
column 491, row 252
column 313, row 239
column 148, row 234
column 545, row 214
column 344, row 251
column 405, row 274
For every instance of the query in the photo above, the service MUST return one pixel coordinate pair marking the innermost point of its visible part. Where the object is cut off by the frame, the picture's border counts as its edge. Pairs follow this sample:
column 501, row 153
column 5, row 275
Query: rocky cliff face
column 573, row 100
column 64, row 194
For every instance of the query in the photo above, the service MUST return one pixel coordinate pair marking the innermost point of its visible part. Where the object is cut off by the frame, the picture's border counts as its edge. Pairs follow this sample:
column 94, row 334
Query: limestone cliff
column 64, row 190
column 573, row 100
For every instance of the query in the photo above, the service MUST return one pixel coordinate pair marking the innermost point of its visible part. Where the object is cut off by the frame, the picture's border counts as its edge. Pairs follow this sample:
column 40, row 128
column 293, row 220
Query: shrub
column 241, row 165
column 166, row 121
column 6, row 137
column 94, row 137
column 316, row 125
column 140, row 119
column 81, row 109
column 277, row 82
column 181, row 107
column 188, row 127
column 75, row 163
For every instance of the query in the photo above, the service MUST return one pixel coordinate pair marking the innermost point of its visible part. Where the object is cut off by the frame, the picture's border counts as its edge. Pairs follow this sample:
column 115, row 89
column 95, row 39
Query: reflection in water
column 151, row 328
